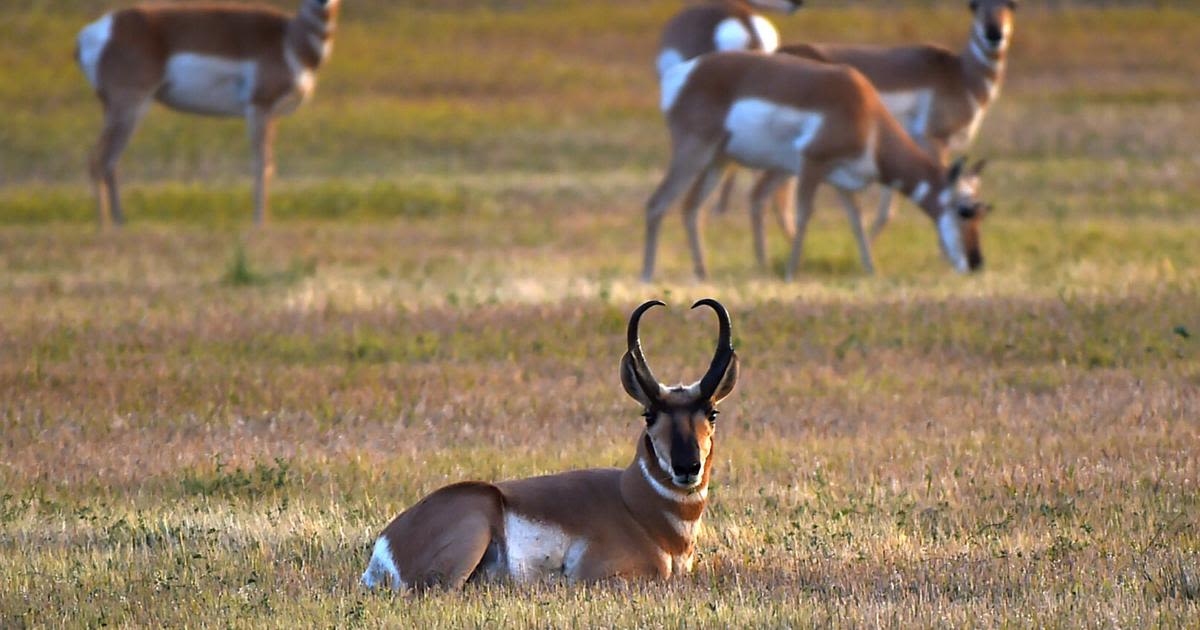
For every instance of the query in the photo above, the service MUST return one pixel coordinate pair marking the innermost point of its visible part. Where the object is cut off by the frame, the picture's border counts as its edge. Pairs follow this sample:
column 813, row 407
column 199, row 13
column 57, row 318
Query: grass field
column 206, row 425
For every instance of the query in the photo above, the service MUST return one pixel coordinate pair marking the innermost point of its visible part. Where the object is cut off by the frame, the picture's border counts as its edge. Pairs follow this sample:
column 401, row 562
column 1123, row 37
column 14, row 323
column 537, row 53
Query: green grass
column 203, row 424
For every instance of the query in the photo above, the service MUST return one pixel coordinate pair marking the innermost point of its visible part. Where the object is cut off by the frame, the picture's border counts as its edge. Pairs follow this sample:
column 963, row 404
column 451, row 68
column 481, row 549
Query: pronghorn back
column 711, row 27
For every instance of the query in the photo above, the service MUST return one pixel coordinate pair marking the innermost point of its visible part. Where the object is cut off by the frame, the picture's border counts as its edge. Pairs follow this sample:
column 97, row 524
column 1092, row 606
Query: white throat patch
column 951, row 237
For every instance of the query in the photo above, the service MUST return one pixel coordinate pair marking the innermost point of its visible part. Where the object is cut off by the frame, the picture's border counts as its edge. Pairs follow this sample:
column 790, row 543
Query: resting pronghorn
column 940, row 98
column 721, row 25
column 794, row 117
column 212, row 59
column 584, row 524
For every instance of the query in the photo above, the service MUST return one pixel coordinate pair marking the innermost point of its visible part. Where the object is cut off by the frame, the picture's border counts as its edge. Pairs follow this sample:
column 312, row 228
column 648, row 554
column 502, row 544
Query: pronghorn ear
column 629, row 381
column 979, row 166
column 956, row 170
column 725, row 387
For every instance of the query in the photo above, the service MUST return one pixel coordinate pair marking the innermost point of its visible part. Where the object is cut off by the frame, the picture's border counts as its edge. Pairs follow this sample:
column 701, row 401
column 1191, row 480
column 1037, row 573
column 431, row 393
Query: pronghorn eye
column 974, row 4
column 712, row 415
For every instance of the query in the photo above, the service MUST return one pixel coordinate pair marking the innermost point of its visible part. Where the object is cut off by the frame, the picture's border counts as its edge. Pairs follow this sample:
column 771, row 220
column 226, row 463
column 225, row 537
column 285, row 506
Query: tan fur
column 855, row 123
column 962, row 88
column 132, row 71
column 691, row 32
column 618, row 522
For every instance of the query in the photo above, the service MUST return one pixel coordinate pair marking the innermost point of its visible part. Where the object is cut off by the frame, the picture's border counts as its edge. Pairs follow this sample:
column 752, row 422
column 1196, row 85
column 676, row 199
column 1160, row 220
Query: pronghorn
column 640, row 521
column 939, row 97
column 721, row 25
column 794, row 117
column 211, row 59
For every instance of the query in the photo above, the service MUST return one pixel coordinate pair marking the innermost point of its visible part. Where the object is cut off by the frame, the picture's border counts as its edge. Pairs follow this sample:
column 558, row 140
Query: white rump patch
column 667, row 59
column 731, row 34
column 767, row 135
column 536, row 549
column 673, row 81
column 766, row 33
column 210, row 85
column 382, row 564
column 951, row 237
column 92, row 40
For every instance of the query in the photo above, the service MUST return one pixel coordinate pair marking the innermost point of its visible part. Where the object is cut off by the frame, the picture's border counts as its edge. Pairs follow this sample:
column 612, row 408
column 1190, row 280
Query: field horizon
column 205, row 424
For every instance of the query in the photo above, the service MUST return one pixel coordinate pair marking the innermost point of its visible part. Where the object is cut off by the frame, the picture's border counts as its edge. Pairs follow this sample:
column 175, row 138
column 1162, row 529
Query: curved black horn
column 724, row 353
column 644, row 376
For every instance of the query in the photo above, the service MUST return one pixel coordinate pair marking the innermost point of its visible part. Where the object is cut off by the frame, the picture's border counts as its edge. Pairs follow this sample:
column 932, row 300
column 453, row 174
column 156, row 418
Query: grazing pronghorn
column 211, row 59
column 640, row 521
column 940, row 98
column 794, row 117
column 721, row 25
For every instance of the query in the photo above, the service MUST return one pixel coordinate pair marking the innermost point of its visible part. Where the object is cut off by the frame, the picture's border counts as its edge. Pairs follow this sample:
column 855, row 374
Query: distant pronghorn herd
column 771, row 112
column 846, row 115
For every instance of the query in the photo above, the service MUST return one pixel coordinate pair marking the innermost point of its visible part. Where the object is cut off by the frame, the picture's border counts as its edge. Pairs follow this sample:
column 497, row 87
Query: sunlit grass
column 204, row 424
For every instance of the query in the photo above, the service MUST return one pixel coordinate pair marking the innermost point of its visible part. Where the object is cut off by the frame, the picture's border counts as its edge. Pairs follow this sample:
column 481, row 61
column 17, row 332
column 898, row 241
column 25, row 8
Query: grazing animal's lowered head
column 961, row 216
column 680, row 420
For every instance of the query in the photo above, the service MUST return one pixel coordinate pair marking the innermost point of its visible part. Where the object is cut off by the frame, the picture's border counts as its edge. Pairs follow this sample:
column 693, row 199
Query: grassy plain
column 205, row 425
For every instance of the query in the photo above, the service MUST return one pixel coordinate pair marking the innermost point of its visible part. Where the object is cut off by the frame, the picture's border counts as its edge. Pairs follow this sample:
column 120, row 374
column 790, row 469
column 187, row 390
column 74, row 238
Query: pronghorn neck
column 904, row 166
column 671, row 515
column 310, row 31
column 983, row 64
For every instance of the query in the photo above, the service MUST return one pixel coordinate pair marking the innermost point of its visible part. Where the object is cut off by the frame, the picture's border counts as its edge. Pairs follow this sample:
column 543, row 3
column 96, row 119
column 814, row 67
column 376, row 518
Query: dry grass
column 205, row 427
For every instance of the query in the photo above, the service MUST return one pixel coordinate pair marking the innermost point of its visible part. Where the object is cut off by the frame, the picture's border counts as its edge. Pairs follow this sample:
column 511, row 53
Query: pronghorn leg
column 727, row 188
column 887, row 209
column 856, row 225
column 783, row 207
column 808, row 178
column 686, row 165
column 700, row 190
column 440, row 541
column 261, row 128
column 769, row 183
column 121, row 116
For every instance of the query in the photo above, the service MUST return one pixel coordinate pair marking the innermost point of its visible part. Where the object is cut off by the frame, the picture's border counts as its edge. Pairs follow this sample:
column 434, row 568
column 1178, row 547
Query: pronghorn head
column 680, row 420
column 993, row 22
column 782, row 6
column 961, row 214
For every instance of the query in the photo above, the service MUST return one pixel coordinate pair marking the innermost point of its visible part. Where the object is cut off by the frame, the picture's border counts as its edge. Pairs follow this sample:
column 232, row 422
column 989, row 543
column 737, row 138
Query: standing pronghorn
column 720, row 25
column 212, row 59
column 640, row 521
column 940, row 98
column 794, row 117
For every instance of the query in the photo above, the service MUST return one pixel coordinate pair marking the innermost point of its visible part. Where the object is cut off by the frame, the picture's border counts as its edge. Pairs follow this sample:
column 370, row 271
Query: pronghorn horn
column 724, row 353
column 644, row 376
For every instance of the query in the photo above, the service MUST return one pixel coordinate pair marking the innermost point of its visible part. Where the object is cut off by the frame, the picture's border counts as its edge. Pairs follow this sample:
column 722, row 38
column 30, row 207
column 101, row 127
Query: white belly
column 535, row 550
column 911, row 109
column 856, row 173
column 767, row 135
column 204, row 84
